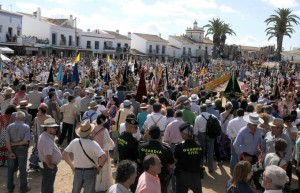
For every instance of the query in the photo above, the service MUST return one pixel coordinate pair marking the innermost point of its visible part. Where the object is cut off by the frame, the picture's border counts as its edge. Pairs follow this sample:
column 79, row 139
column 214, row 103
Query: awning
column 6, row 50
column 4, row 58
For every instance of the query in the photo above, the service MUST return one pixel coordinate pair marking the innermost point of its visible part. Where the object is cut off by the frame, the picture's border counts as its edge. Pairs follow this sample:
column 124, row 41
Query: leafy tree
column 282, row 25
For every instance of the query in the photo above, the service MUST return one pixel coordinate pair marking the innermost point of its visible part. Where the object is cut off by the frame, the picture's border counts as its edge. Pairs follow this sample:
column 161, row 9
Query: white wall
column 9, row 20
column 93, row 37
column 34, row 27
column 62, row 31
column 138, row 43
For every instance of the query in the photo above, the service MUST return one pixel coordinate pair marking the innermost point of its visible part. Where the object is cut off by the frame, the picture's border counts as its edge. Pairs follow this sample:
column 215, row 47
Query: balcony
column 122, row 49
column 10, row 38
column 108, row 48
column 184, row 53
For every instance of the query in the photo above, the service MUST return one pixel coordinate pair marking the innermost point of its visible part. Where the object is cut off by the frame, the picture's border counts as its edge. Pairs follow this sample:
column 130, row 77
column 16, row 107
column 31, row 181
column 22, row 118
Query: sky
column 168, row 17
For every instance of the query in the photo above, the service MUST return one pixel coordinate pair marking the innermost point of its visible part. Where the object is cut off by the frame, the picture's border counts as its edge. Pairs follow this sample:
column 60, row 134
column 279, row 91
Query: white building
column 152, row 46
column 192, row 44
column 122, row 44
column 10, row 29
column 187, row 47
column 45, row 36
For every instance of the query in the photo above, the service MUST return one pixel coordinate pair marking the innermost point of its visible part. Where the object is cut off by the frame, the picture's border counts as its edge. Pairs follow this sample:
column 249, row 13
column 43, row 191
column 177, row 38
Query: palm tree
column 224, row 31
column 215, row 29
column 282, row 25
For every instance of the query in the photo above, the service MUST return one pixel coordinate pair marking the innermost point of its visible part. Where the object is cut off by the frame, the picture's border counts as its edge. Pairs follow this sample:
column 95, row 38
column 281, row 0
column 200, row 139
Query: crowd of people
column 159, row 143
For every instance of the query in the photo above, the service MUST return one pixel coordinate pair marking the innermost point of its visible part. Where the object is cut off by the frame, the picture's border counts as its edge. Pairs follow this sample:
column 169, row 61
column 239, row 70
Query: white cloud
column 226, row 9
column 249, row 40
column 282, row 3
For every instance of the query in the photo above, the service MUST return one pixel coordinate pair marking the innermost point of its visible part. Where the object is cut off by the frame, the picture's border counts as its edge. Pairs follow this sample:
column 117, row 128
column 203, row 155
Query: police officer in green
column 188, row 155
column 127, row 144
column 163, row 151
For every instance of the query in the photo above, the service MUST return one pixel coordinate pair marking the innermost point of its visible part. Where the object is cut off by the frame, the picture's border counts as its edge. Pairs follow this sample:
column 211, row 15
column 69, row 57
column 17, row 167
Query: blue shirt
column 213, row 111
column 18, row 131
column 142, row 116
column 247, row 142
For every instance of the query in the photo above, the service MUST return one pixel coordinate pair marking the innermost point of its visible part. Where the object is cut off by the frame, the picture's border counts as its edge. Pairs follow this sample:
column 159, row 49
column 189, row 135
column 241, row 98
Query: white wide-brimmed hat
column 50, row 122
column 194, row 98
column 253, row 118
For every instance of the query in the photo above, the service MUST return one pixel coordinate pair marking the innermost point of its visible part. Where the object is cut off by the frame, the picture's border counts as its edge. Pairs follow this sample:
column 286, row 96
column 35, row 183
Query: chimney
column 159, row 35
column 38, row 13
column 71, row 20
column 0, row 7
column 129, row 35
column 88, row 30
column 117, row 31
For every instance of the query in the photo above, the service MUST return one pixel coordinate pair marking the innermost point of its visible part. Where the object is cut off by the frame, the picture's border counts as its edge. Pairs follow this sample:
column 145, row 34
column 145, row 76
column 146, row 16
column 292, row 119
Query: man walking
column 89, row 159
column 70, row 113
column 49, row 154
column 17, row 141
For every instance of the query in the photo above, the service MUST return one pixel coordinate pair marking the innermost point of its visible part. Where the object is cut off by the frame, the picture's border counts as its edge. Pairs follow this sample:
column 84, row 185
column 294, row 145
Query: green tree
column 225, row 30
column 215, row 29
column 219, row 30
column 282, row 25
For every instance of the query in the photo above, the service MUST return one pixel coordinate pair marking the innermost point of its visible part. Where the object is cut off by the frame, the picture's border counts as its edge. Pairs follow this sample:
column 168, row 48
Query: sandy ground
column 215, row 182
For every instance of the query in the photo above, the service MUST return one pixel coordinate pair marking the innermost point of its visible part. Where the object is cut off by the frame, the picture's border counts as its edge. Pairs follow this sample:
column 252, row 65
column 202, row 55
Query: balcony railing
column 108, row 48
column 122, row 49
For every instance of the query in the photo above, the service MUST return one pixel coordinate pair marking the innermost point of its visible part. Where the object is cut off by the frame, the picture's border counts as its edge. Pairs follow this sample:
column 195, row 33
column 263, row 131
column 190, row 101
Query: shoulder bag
column 86, row 153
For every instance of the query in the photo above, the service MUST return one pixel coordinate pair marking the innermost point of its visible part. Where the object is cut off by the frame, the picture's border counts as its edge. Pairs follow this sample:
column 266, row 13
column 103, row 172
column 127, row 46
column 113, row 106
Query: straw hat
column 253, row 118
column 93, row 104
column 8, row 91
column 126, row 103
column 24, row 104
column 50, row 122
column 277, row 122
column 143, row 106
column 85, row 128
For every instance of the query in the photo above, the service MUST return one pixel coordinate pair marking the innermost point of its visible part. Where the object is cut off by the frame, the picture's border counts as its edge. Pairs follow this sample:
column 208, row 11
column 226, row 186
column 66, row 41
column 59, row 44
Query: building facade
column 11, row 29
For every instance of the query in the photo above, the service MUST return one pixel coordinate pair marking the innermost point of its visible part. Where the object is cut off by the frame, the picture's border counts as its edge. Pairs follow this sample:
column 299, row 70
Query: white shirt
column 91, row 147
column 162, row 123
column 200, row 123
column 77, row 102
column 234, row 127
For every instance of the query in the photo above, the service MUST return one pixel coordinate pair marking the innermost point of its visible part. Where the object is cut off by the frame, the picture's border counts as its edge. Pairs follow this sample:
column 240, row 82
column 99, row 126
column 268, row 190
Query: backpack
column 89, row 117
column 213, row 127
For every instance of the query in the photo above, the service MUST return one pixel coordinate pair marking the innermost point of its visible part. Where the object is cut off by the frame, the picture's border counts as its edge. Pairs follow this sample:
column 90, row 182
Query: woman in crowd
column 101, row 136
column 37, row 130
column 4, row 121
column 112, row 107
column 241, row 175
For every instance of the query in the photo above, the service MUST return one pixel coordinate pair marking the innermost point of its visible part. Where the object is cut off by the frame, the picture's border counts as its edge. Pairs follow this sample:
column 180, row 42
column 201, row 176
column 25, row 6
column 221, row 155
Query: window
column 157, row 49
column 19, row 32
column 150, row 48
column 77, row 41
column 0, row 28
column 163, row 50
column 53, row 38
column 118, row 45
column 96, row 45
column 183, row 51
column 70, row 40
column 88, row 44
